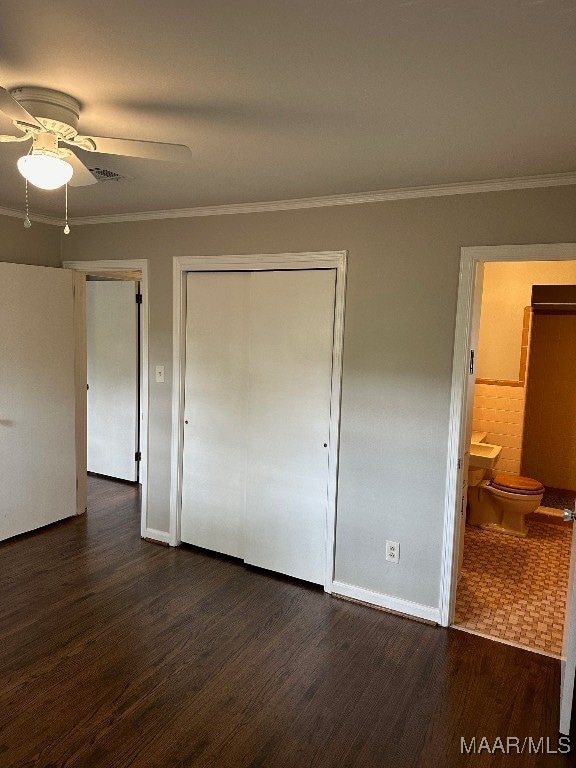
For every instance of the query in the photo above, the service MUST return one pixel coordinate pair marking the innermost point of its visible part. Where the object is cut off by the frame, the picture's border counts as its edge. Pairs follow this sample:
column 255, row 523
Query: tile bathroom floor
column 514, row 589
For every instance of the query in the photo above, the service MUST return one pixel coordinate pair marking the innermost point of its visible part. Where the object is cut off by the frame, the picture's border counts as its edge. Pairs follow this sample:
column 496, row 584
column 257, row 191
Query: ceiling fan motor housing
column 57, row 112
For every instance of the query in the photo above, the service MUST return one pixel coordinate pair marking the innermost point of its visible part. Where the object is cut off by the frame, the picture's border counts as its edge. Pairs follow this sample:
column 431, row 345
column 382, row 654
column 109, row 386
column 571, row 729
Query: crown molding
column 406, row 193
column 355, row 198
column 32, row 216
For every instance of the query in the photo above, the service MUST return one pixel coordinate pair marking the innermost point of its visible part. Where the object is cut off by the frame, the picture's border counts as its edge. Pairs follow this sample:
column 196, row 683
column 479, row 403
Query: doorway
column 334, row 261
column 131, row 270
column 463, row 377
column 113, row 362
column 516, row 547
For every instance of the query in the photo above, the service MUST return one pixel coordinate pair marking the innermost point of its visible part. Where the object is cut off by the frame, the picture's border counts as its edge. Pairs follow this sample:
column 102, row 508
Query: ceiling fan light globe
column 45, row 171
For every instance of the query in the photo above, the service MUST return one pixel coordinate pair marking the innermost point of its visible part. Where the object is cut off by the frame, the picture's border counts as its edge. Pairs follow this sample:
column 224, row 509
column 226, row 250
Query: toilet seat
column 524, row 486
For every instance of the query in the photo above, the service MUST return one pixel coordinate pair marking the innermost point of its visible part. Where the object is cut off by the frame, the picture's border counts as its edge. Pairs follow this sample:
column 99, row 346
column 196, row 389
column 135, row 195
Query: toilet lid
column 517, row 484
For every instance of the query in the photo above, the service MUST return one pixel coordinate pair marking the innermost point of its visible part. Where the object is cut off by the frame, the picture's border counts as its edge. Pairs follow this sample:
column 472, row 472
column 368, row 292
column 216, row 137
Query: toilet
column 500, row 502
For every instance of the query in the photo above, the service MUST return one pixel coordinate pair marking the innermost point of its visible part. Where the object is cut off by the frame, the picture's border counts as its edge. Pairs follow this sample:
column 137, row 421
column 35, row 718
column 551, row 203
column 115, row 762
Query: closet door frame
column 336, row 260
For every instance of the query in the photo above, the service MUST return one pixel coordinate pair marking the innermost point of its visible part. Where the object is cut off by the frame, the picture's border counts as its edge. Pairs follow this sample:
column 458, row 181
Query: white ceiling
column 282, row 99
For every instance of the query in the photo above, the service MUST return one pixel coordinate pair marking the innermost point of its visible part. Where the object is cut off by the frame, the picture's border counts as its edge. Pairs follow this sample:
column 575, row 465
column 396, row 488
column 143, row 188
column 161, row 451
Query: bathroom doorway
column 467, row 352
column 512, row 583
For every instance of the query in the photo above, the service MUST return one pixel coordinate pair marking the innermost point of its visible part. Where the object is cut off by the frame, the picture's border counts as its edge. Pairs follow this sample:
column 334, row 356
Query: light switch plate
column 160, row 374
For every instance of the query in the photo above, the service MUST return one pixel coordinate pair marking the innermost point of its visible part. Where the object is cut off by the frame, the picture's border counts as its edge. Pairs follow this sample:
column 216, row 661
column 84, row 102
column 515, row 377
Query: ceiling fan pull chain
column 66, row 228
column 27, row 222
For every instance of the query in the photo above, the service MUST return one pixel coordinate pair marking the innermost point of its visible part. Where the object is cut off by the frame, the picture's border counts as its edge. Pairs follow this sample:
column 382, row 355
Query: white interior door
column 291, row 340
column 214, row 459
column 568, row 662
column 112, row 349
column 257, row 413
column 37, row 397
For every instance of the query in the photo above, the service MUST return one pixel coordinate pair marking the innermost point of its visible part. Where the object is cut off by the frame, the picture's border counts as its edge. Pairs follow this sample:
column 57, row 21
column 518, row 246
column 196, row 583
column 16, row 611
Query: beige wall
column 38, row 245
column 400, row 314
column 507, row 290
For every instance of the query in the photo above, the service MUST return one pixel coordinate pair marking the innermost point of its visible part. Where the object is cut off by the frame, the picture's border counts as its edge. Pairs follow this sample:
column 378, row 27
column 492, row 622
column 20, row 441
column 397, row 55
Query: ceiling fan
column 50, row 119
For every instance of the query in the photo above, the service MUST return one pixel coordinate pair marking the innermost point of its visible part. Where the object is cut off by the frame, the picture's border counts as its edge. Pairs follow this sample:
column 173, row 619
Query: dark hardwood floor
column 116, row 652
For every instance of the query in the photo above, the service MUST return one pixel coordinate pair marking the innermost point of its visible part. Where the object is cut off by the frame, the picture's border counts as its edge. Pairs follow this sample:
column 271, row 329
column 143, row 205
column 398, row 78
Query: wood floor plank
column 117, row 653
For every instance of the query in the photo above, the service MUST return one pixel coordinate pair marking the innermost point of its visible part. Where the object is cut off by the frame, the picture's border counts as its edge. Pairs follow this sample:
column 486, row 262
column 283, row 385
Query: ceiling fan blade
column 14, row 110
column 150, row 150
column 81, row 176
column 25, row 137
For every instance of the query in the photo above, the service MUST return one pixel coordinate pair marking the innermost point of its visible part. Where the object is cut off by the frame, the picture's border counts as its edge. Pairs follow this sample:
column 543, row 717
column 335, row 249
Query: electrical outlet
column 393, row 551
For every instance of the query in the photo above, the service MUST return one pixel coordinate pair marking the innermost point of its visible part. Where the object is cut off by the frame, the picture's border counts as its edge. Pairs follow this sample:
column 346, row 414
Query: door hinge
column 138, row 298
column 471, row 361
column 459, row 463
column 137, row 456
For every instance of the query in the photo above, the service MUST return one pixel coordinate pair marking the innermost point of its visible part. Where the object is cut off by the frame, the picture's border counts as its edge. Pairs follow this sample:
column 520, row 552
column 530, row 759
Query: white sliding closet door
column 257, row 413
column 291, row 338
column 214, row 461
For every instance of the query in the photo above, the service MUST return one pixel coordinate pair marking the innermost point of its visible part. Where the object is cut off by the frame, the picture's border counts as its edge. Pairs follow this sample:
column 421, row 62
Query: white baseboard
column 154, row 535
column 396, row 604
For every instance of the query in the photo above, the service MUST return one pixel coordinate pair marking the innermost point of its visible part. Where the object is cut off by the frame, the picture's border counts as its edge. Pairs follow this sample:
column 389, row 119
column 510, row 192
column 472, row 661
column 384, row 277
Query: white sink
column 484, row 455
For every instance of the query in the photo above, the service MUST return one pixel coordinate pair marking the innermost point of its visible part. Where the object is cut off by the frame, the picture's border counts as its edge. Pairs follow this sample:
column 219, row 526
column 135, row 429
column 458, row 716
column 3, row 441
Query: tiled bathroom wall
column 499, row 411
column 499, row 407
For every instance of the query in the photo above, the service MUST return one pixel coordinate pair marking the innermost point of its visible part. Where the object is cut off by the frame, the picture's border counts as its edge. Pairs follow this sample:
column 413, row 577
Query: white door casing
column 38, row 379
column 133, row 269
column 113, row 380
column 474, row 332
column 470, row 258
